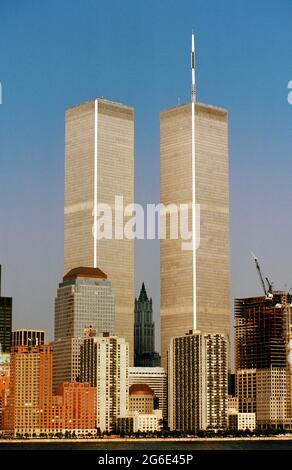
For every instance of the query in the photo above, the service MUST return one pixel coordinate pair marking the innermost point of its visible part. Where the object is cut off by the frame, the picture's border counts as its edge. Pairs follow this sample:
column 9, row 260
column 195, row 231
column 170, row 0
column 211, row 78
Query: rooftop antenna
column 194, row 227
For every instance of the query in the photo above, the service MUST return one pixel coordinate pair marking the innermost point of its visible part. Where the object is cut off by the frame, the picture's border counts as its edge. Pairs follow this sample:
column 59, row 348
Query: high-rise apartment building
column 105, row 365
column 195, row 284
column 30, row 397
column 198, row 378
column 99, row 166
column 84, row 298
column 144, row 332
column 5, row 320
column 156, row 379
column 23, row 337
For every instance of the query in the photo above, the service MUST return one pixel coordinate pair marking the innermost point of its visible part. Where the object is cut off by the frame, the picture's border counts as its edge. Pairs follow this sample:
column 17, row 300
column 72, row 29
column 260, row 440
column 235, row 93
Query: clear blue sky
column 54, row 54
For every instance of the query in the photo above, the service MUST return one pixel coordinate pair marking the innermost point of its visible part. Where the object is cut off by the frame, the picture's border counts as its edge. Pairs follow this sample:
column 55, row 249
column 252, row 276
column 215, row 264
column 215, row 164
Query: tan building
column 246, row 390
column 271, row 397
column 212, row 256
column 141, row 399
column 99, row 165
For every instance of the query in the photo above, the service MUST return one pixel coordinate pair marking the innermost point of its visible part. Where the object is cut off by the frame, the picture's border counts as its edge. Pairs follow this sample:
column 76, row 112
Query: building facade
column 198, row 378
column 84, row 298
column 30, row 397
column 136, row 422
column 22, row 337
column 212, row 208
column 156, row 379
column 144, row 332
column 78, row 401
column 99, row 166
column 141, row 399
column 5, row 320
column 109, row 373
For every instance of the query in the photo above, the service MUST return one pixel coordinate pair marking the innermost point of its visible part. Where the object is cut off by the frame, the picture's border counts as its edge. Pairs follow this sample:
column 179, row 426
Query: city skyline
column 257, row 136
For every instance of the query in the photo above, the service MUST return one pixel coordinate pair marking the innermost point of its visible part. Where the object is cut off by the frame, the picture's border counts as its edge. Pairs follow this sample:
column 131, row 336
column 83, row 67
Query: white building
column 147, row 422
column 105, row 365
column 138, row 422
column 246, row 421
column 197, row 381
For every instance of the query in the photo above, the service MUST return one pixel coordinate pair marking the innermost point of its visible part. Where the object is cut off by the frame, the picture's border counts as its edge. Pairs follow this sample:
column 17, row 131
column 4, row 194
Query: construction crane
column 268, row 291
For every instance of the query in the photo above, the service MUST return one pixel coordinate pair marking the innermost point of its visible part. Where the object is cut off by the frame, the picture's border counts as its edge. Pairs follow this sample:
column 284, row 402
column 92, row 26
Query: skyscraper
column 84, row 298
column 198, row 377
column 99, row 165
column 194, row 171
column 144, row 332
column 105, row 365
column 5, row 320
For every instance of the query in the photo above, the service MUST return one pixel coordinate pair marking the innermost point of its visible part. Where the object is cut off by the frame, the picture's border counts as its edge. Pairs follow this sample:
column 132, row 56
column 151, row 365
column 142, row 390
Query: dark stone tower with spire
column 5, row 321
column 144, row 332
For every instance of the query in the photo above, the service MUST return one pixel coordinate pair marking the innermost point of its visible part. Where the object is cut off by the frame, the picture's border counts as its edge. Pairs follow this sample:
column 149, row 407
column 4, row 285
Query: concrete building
column 271, row 397
column 139, row 422
column 22, row 337
column 199, row 301
column 84, row 298
column 105, row 364
column 5, row 320
column 144, row 332
column 232, row 406
column 246, row 421
column 99, row 165
column 141, row 399
column 198, row 375
column 156, row 379
column 246, row 390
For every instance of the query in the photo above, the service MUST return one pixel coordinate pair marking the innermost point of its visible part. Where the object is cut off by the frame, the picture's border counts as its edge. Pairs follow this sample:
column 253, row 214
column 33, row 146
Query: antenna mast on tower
column 194, row 229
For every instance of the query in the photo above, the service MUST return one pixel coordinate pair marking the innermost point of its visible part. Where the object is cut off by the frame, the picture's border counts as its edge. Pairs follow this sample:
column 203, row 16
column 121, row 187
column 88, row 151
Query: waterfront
column 280, row 443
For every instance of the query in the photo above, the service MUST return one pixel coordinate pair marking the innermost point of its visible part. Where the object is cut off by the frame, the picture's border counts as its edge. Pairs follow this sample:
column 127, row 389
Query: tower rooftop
column 140, row 389
column 85, row 272
column 143, row 297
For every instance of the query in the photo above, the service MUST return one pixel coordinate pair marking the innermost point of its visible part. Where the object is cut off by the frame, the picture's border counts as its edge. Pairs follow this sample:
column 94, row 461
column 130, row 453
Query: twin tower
column 99, row 166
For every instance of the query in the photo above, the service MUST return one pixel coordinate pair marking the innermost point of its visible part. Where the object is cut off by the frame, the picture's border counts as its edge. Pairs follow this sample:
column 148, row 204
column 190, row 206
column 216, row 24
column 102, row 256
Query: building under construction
column 262, row 331
column 262, row 349
column 263, row 355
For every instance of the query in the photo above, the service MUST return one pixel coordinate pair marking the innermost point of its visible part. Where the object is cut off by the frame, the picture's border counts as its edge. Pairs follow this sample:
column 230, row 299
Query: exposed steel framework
column 262, row 331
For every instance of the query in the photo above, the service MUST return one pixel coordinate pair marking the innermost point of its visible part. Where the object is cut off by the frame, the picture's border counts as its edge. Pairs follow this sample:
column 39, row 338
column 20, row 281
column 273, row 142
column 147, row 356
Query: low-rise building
column 137, row 422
